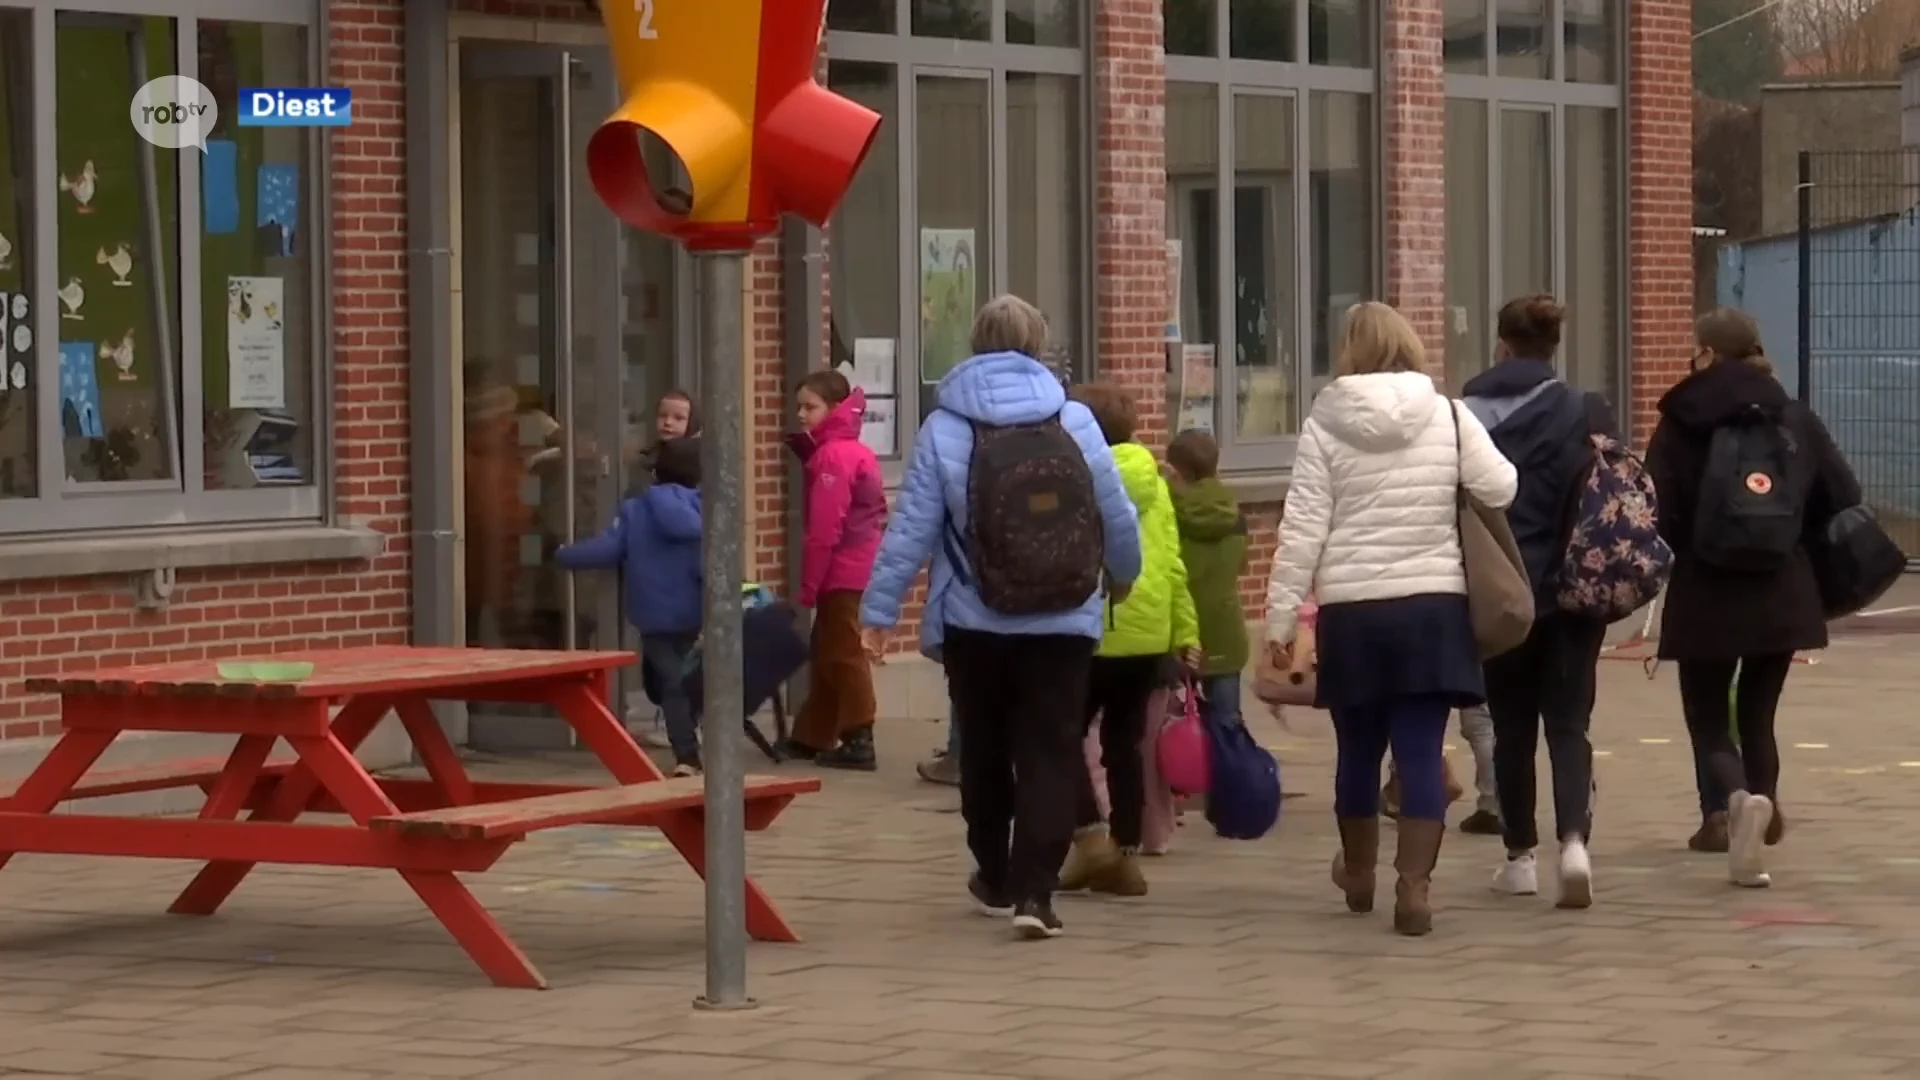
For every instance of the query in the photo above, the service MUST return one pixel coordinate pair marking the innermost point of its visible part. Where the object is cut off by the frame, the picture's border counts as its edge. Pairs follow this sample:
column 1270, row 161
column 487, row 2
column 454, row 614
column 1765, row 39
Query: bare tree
column 1847, row 39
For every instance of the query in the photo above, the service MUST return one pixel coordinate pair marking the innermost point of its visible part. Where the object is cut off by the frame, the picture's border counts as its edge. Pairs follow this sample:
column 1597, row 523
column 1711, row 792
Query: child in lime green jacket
column 1148, row 625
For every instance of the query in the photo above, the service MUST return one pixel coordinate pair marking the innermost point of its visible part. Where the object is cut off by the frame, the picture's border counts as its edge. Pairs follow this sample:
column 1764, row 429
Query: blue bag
column 1243, row 796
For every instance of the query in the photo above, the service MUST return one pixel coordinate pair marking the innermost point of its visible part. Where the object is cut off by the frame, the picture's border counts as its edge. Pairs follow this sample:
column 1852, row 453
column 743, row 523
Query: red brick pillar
column 1129, row 196
column 1660, row 202
column 1414, row 123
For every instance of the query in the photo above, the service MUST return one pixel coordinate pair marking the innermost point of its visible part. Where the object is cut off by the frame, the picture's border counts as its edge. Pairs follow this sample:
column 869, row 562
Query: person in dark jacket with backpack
column 1544, row 427
column 1013, row 494
column 1745, row 476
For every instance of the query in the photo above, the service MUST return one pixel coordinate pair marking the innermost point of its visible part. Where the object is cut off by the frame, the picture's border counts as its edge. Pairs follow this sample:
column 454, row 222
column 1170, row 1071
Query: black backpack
column 1035, row 542
column 1752, row 505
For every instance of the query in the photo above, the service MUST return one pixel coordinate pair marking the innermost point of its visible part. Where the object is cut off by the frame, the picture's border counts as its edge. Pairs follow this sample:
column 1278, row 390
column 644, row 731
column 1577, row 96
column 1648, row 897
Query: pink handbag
column 1182, row 749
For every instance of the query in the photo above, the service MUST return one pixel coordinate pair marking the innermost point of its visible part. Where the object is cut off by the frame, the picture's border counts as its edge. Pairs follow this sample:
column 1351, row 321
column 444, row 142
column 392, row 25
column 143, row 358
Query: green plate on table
column 265, row 671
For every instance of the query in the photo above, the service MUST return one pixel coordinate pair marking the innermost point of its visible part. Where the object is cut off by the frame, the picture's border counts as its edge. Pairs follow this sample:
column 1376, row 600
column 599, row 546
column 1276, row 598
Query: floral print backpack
column 1616, row 562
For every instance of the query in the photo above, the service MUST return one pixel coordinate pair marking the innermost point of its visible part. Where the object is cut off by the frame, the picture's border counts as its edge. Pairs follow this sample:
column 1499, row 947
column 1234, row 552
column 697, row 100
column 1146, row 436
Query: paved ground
column 1241, row 962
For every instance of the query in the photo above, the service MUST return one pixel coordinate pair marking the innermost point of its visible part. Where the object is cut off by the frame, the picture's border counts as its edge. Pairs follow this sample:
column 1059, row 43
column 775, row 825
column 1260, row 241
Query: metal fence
column 1859, row 320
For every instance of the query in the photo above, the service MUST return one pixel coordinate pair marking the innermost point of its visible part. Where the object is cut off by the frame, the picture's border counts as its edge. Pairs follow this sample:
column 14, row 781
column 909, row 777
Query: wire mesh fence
column 1859, row 332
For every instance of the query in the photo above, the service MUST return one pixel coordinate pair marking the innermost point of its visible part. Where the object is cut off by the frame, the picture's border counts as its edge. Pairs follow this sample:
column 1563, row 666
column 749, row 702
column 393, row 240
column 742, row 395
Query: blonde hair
column 1376, row 338
column 1731, row 334
column 1007, row 323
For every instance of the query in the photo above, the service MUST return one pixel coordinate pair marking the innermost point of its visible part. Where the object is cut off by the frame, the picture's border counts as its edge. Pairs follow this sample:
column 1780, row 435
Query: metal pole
column 723, row 492
column 1804, row 325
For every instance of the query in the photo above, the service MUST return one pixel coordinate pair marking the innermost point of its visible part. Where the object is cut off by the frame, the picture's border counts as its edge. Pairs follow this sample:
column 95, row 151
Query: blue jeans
column 1220, row 700
column 665, row 656
column 1415, row 728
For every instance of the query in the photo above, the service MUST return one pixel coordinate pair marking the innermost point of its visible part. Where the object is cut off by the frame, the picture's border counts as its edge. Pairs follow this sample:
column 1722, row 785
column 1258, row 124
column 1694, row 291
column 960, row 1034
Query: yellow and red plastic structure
column 728, row 86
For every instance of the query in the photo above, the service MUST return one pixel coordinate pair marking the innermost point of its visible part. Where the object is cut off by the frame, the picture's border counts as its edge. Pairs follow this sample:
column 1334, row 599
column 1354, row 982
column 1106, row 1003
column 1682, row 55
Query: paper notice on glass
column 878, row 428
column 1175, row 257
column 256, row 353
column 873, row 366
column 1196, row 389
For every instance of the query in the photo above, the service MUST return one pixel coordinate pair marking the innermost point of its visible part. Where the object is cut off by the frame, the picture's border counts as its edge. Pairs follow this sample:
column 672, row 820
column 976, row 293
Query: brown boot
column 1419, row 850
column 1091, row 859
column 1777, row 828
column 1712, row 836
column 1354, row 863
column 1122, row 876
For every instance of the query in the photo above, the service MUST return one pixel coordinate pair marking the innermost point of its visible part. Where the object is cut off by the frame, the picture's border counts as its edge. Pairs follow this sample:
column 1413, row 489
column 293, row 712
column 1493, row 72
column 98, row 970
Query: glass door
column 541, row 325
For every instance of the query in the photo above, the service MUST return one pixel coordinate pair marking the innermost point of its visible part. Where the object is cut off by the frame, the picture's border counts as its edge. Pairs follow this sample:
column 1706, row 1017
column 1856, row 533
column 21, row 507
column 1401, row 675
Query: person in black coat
column 1715, row 618
column 1544, row 427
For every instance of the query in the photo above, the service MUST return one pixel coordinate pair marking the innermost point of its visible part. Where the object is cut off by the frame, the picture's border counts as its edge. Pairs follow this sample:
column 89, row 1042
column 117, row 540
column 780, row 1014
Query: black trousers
column 1547, row 683
column 1020, row 701
column 1755, row 766
column 1118, row 689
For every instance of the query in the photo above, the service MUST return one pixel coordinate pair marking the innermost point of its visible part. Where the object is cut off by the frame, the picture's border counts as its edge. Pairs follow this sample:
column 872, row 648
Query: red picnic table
column 426, row 829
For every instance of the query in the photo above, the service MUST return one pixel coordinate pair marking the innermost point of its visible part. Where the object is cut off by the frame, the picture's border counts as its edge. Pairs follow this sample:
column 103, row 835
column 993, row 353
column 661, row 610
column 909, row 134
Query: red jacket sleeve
column 830, row 480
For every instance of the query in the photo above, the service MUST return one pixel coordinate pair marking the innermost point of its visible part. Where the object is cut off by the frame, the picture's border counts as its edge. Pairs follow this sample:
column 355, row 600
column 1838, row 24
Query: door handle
column 606, row 465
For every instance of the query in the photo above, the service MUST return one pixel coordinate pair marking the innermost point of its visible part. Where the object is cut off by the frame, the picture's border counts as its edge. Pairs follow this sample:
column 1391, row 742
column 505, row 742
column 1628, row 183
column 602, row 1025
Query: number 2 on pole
column 644, row 9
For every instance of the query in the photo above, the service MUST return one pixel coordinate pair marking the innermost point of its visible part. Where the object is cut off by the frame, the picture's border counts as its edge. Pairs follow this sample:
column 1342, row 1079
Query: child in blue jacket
column 654, row 541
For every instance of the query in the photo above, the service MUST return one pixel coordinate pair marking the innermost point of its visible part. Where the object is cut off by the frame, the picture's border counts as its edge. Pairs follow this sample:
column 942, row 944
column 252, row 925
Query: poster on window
column 256, row 352
column 873, row 366
column 1196, row 389
column 1175, row 257
column 879, row 427
column 947, row 300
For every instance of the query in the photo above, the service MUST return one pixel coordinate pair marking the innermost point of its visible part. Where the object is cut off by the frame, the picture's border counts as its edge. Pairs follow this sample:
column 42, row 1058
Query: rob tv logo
column 295, row 106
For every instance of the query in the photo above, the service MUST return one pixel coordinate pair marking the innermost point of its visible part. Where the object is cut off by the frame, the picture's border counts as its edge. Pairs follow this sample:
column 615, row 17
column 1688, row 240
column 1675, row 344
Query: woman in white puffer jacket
column 1371, row 528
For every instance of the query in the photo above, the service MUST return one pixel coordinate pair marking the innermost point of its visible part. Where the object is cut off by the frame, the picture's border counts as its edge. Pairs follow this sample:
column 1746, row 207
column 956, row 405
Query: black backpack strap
column 951, row 542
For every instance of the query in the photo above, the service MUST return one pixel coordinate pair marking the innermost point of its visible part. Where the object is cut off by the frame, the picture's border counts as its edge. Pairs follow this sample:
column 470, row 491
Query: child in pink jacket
column 846, row 515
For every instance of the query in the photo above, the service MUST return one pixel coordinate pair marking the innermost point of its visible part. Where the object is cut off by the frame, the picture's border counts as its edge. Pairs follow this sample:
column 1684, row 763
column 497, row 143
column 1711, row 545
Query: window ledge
column 91, row 555
column 1261, row 488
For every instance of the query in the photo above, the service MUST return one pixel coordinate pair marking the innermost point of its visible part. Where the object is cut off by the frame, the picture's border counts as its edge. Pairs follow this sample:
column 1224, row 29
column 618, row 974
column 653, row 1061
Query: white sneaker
column 1749, row 816
column 1519, row 876
column 1576, row 876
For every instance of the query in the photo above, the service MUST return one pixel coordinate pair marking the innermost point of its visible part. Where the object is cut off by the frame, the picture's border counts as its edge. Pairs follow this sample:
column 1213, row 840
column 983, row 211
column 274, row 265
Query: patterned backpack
column 1615, row 562
column 1035, row 542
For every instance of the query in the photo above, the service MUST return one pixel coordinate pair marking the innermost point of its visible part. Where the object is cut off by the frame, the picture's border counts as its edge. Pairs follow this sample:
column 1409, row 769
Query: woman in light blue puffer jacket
column 1018, row 683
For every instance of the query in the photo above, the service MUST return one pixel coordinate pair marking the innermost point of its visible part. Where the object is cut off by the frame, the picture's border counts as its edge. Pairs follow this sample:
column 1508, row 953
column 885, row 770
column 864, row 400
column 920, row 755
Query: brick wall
column 1660, row 206
column 1414, row 126
column 1130, row 204
column 51, row 626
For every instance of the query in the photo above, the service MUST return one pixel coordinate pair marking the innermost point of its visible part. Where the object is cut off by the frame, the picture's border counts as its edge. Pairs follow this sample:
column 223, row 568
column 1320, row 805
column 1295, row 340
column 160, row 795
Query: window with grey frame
column 977, row 185
column 1535, row 178
column 1275, row 102
column 161, row 311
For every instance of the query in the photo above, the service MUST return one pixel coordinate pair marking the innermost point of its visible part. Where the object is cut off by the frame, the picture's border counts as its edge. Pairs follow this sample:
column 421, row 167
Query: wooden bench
column 162, row 776
column 633, row 804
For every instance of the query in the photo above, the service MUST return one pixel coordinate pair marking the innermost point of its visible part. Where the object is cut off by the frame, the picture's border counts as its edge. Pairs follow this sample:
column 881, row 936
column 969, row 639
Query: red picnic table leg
column 610, row 742
column 56, row 774
column 436, row 751
column 343, row 777
column 292, row 796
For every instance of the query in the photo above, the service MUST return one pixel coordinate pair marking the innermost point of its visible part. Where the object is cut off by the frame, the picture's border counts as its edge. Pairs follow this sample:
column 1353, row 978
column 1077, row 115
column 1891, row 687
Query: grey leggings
column 1476, row 726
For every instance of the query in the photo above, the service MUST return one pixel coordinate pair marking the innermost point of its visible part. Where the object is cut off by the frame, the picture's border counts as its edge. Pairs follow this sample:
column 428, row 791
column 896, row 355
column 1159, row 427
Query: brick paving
column 1241, row 962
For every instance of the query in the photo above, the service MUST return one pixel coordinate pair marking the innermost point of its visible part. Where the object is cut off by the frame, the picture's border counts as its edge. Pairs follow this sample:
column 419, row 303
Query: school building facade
column 313, row 388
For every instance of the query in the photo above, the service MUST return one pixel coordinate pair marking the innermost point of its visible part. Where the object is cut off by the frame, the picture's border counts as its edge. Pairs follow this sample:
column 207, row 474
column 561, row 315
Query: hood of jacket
column 1206, row 511
column 1379, row 412
column 1715, row 394
column 1001, row 389
column 673, row 511
column 841, row 422
column 1141, row 475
